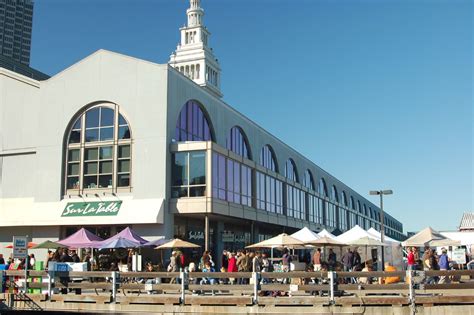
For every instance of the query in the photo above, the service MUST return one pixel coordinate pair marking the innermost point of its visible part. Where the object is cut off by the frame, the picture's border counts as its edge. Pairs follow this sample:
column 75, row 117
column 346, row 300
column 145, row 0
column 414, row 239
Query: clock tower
column 193, row 57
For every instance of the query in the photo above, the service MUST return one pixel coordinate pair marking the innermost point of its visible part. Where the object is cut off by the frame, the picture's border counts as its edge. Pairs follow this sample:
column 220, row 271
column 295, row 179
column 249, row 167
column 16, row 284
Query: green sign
column 91, row 209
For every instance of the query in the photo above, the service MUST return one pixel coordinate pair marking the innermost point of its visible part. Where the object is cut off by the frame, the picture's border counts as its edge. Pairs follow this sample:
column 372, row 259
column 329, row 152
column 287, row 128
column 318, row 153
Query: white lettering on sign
column 93, row 208
column 197, row 235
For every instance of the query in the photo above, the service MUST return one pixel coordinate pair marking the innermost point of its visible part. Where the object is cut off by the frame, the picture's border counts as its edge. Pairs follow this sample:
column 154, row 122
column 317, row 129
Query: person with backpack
column 443, row 263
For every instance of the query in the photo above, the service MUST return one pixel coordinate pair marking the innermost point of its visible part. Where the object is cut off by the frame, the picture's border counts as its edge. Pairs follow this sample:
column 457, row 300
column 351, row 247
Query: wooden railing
column 183, row 288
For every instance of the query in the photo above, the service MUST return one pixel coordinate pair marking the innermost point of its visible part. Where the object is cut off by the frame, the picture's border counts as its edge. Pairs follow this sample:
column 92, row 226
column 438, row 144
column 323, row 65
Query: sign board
column 91, row 209
column 66, row 266
column 20, row 247
column 459, row 255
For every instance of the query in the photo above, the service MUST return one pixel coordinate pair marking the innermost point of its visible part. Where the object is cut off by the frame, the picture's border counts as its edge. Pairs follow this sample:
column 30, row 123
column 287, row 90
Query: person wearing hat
column 443, row 265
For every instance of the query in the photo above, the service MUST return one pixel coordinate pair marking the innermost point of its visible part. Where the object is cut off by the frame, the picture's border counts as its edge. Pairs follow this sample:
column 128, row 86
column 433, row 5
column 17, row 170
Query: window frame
column 82, row 145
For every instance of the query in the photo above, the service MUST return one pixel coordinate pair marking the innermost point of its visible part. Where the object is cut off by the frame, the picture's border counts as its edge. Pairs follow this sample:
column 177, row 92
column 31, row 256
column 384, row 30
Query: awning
column 83, row 211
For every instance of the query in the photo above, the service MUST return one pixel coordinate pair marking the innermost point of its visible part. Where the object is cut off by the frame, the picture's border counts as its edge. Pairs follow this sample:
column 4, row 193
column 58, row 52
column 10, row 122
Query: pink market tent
column 82, row 239
column 127, row 234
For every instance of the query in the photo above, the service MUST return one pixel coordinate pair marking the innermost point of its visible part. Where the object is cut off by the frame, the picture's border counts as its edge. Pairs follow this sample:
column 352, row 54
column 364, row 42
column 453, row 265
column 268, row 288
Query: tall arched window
column 192, row 124
column 322, row 189
column 351, row 203
column 308, row 181
column 98, row 153
column 267, row 158
column 237, row 142
column 290, row 170
column 344, row 198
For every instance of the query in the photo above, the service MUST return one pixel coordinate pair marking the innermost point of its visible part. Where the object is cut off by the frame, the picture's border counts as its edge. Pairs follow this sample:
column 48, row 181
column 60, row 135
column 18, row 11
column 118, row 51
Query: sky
column 379, row 93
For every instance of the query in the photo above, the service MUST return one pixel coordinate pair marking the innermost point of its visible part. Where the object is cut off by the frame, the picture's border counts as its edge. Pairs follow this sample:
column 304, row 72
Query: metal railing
column 239, row 287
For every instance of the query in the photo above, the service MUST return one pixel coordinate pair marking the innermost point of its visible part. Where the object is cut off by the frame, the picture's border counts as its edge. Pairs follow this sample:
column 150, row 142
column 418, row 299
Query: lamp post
column 382, row 228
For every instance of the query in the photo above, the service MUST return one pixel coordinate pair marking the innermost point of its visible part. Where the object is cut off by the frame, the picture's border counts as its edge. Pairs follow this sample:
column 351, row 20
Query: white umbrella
column 279, row 241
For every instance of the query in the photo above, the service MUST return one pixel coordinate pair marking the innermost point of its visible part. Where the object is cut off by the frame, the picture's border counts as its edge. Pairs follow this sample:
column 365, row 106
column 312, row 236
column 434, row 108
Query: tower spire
column 193, row 57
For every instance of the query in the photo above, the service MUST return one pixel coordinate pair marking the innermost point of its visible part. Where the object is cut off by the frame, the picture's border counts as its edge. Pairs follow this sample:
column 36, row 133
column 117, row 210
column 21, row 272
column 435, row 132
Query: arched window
column 334, row 194
column 308, row 181
column 267, row 158
column 192, row 124
column 290, row 170
column 344, row 198
column 322, row 189
column 351, row 203
column 359, row 208
column 98, row 150
column 237, row 142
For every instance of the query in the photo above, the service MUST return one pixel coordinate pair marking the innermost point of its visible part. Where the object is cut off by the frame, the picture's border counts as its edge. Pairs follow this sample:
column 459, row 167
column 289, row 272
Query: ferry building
column 115, row 141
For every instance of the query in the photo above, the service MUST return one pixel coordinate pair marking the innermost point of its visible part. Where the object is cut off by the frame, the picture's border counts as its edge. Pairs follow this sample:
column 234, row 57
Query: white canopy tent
column 393, row 252
column 392, row 255
column 306, row 235
column 354, row 234
column 325, row 232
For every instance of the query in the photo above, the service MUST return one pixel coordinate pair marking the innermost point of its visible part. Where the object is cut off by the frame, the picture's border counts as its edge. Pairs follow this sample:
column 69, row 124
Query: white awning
column 27, row 212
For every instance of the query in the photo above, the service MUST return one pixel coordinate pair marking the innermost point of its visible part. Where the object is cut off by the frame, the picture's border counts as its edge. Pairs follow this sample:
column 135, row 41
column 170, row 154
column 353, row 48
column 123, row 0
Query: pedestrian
column 257, row 262
column 317, row 260
column 416, row 255
column 410, row 259
column 443, row 265
column 232, row 265
column 286, row 263
column 347, row 260
column 75, row 258
column 225, row 260
column 332, row 259
column 242, row 265
column 356, row 260
column 65, row 256
column 2, row 260
column 32, row 261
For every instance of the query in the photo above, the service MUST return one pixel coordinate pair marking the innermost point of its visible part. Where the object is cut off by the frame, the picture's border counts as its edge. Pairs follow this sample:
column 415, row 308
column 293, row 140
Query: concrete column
column 254, row 232
column 206, row 232
column 219, row 245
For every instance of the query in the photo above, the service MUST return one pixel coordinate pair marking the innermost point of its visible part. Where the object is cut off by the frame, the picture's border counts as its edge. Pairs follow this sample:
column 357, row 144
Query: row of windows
column 99, row 156
column 191, row 71
column 237, row 142
column 231, row 180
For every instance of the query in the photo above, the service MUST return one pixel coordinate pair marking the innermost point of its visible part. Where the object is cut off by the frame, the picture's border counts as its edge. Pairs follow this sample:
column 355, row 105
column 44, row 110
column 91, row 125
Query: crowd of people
column 429, row 261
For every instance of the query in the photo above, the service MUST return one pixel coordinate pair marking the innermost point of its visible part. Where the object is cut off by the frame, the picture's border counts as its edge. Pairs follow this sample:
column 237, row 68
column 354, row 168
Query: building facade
column 115, row 141
column 16, row 18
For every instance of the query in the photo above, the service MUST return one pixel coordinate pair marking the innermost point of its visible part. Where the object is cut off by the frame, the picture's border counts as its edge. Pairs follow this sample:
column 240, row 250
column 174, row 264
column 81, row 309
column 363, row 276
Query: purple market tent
column 119, row 242
column 81, row 239
column 127, row 234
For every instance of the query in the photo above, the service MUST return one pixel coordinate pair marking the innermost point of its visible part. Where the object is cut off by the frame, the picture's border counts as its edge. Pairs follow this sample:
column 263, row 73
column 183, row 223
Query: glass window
column 188, row 174
column 290, row 170
column 192, row 124
column 237, row 142
column 197, row 169
column 267, row 158
column 308, row 181
column 179, row 169
column 231, row 181
column 97, row 159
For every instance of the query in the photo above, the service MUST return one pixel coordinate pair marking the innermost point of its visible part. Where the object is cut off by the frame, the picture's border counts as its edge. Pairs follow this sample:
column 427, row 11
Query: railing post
column 255, row 278
column 183, row 275
column 332, row 278
column 50, row 289
column 114, row 286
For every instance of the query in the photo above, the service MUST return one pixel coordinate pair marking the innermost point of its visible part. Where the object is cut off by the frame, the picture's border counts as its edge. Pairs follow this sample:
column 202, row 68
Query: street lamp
column 382, row 228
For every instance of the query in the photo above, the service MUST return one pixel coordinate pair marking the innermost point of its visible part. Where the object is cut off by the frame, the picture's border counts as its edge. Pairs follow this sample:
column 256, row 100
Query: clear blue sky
column 378, row 93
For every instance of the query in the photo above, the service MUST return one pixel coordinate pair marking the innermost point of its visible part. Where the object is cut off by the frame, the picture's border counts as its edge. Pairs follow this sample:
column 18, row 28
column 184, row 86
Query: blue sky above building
column 378, row 93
